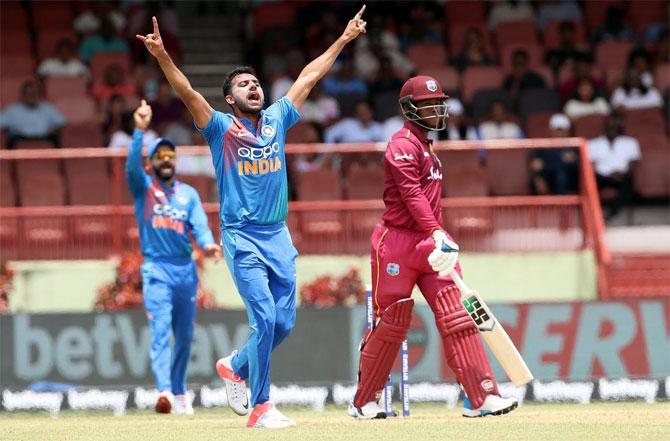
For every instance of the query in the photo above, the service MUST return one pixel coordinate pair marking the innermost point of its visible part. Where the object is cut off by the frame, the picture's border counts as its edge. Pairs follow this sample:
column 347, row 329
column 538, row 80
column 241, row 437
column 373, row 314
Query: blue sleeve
column 57, row 119
column 213, row 134
column 198, row 221
column 286, row 112
column 138, row 180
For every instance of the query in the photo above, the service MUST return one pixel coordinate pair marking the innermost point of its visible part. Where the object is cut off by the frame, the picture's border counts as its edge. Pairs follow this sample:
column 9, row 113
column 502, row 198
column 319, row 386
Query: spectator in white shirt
column 320, row 108
column 584, row 101
column 500, row 124
column 360, row 128
column 614, row 157
column 503, row 11
column 122, row 138
column 65, row 62
column 633, row 94
column 31, row 118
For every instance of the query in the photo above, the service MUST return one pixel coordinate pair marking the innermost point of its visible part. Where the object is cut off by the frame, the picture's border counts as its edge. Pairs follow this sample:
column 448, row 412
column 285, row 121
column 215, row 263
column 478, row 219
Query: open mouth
column 254, row 98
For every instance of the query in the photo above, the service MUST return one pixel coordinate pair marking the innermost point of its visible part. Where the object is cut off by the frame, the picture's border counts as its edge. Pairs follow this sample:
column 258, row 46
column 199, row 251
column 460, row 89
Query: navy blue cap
column 157, row 143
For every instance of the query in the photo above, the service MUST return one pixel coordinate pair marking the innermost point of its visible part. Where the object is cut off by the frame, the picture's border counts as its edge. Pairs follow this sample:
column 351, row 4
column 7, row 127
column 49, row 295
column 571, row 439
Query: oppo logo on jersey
column 170, row 211
column 260, row 161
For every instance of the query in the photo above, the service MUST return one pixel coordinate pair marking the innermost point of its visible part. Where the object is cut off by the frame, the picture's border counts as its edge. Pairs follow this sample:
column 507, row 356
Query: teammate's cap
column 422, row 87
column 157, row 143
column 559, row 122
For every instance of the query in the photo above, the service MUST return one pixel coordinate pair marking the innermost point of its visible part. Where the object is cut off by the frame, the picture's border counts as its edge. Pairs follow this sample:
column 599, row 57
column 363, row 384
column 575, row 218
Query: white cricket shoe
column 182, row 405
column 236, row 388
column 369, row 411
column 165, row 402
column 493, row 405
column 266, row 416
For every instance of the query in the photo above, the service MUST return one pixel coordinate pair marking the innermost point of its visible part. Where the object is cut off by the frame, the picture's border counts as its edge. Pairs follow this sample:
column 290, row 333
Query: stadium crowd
column 513, row 69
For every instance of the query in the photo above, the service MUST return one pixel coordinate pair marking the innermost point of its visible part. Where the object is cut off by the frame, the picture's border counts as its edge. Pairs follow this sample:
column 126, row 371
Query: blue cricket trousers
column 170, row 287
column 261, row 259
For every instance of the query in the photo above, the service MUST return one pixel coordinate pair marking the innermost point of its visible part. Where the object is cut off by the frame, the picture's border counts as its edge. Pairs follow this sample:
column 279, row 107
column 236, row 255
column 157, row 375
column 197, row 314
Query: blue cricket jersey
column 250, row 164
column 165, row 215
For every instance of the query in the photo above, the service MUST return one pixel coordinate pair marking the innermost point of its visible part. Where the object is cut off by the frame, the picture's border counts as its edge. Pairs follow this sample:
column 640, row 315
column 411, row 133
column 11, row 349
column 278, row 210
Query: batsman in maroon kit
column 411, row 247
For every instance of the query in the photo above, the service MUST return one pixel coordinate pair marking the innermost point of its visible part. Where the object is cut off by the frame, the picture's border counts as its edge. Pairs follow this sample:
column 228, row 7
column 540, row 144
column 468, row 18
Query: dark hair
column 638, row 52
column 228, row 82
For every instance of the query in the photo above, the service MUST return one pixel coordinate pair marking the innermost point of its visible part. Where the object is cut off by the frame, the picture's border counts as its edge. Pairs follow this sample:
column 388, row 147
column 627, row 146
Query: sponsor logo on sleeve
column 403, row 157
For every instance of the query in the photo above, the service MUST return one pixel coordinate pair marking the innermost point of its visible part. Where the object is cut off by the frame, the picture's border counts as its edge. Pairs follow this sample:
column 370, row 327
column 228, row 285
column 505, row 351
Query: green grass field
column 535, row 422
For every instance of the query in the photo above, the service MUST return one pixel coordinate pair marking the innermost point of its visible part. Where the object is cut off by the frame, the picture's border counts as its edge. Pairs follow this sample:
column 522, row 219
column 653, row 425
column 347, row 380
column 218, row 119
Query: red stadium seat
column 7, row 187
column 76, row 109
column 88, row 181
column 651, row 177
column 662, row 77
column 17, row 65
column 534, row 50
column 612, row 54
column 552, row 34
column 52, row 15
column 40, row 183
column 480, row 77
column 589, row 127
column 273, row 15
column 645, row 122
column 365, row 182
column 15, row 42
column 515, row 32
column 447, row 76
column 102, row 60
column 10, row 89
column 47, row 40
column 462, row 11
column 33, row 144
column 12, row 16
column 320, row 227
column 86, row 134
column 507, row 172
column 458, row 159
column 537, row 125
column 466, row 223
column 457, row 33
column 642, row 14
column 425, row 55
column 465, row 181
column 594, row 11
column 547, row 75
column 60, row 87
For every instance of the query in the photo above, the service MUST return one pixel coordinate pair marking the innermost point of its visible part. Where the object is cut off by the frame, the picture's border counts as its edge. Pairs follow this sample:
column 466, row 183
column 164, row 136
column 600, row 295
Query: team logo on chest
column 268, row 131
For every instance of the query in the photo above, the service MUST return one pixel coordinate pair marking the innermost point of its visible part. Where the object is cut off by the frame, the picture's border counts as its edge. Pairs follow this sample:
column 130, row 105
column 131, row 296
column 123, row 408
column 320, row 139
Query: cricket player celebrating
column 248, row 155
column 166, row 211
column 411, row 247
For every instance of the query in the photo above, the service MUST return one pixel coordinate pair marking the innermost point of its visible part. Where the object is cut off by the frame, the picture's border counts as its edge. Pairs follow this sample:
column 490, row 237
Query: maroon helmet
column 421, row 88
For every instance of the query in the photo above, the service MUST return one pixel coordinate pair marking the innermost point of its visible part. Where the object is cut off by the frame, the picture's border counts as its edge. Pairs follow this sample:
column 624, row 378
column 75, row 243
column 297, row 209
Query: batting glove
column 444, row 257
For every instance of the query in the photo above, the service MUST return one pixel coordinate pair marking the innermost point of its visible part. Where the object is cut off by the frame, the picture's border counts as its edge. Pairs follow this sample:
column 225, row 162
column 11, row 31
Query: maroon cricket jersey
column 412, row 182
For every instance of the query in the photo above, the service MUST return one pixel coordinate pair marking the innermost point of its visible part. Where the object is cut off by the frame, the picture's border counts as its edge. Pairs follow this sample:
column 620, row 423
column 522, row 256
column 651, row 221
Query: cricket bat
column 495, row 336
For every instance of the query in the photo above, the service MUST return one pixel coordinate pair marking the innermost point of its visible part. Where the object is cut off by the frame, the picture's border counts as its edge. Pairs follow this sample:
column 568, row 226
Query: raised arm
column 315, row 70
column 138, row 180
column 196, row 103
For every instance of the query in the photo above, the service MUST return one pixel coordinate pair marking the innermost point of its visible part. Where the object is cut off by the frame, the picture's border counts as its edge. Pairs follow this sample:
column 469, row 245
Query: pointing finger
column 360, row 13
column 155, row 20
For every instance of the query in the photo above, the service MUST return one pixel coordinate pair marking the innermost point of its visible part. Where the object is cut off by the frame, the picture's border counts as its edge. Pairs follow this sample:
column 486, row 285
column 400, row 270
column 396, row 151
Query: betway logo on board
column 114, row 347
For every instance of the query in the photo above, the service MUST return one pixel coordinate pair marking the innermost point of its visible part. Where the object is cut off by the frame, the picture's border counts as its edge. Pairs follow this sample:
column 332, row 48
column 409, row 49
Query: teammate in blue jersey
column 248, row 154
column 166, row 211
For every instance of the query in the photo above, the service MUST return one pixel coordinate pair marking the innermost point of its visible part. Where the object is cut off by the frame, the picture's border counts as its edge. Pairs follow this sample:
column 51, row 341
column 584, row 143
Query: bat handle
column 459, row 282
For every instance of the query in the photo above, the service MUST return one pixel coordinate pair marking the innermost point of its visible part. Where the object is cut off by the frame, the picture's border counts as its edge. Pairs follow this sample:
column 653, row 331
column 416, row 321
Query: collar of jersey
column 247, row 123
column 417, row 131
